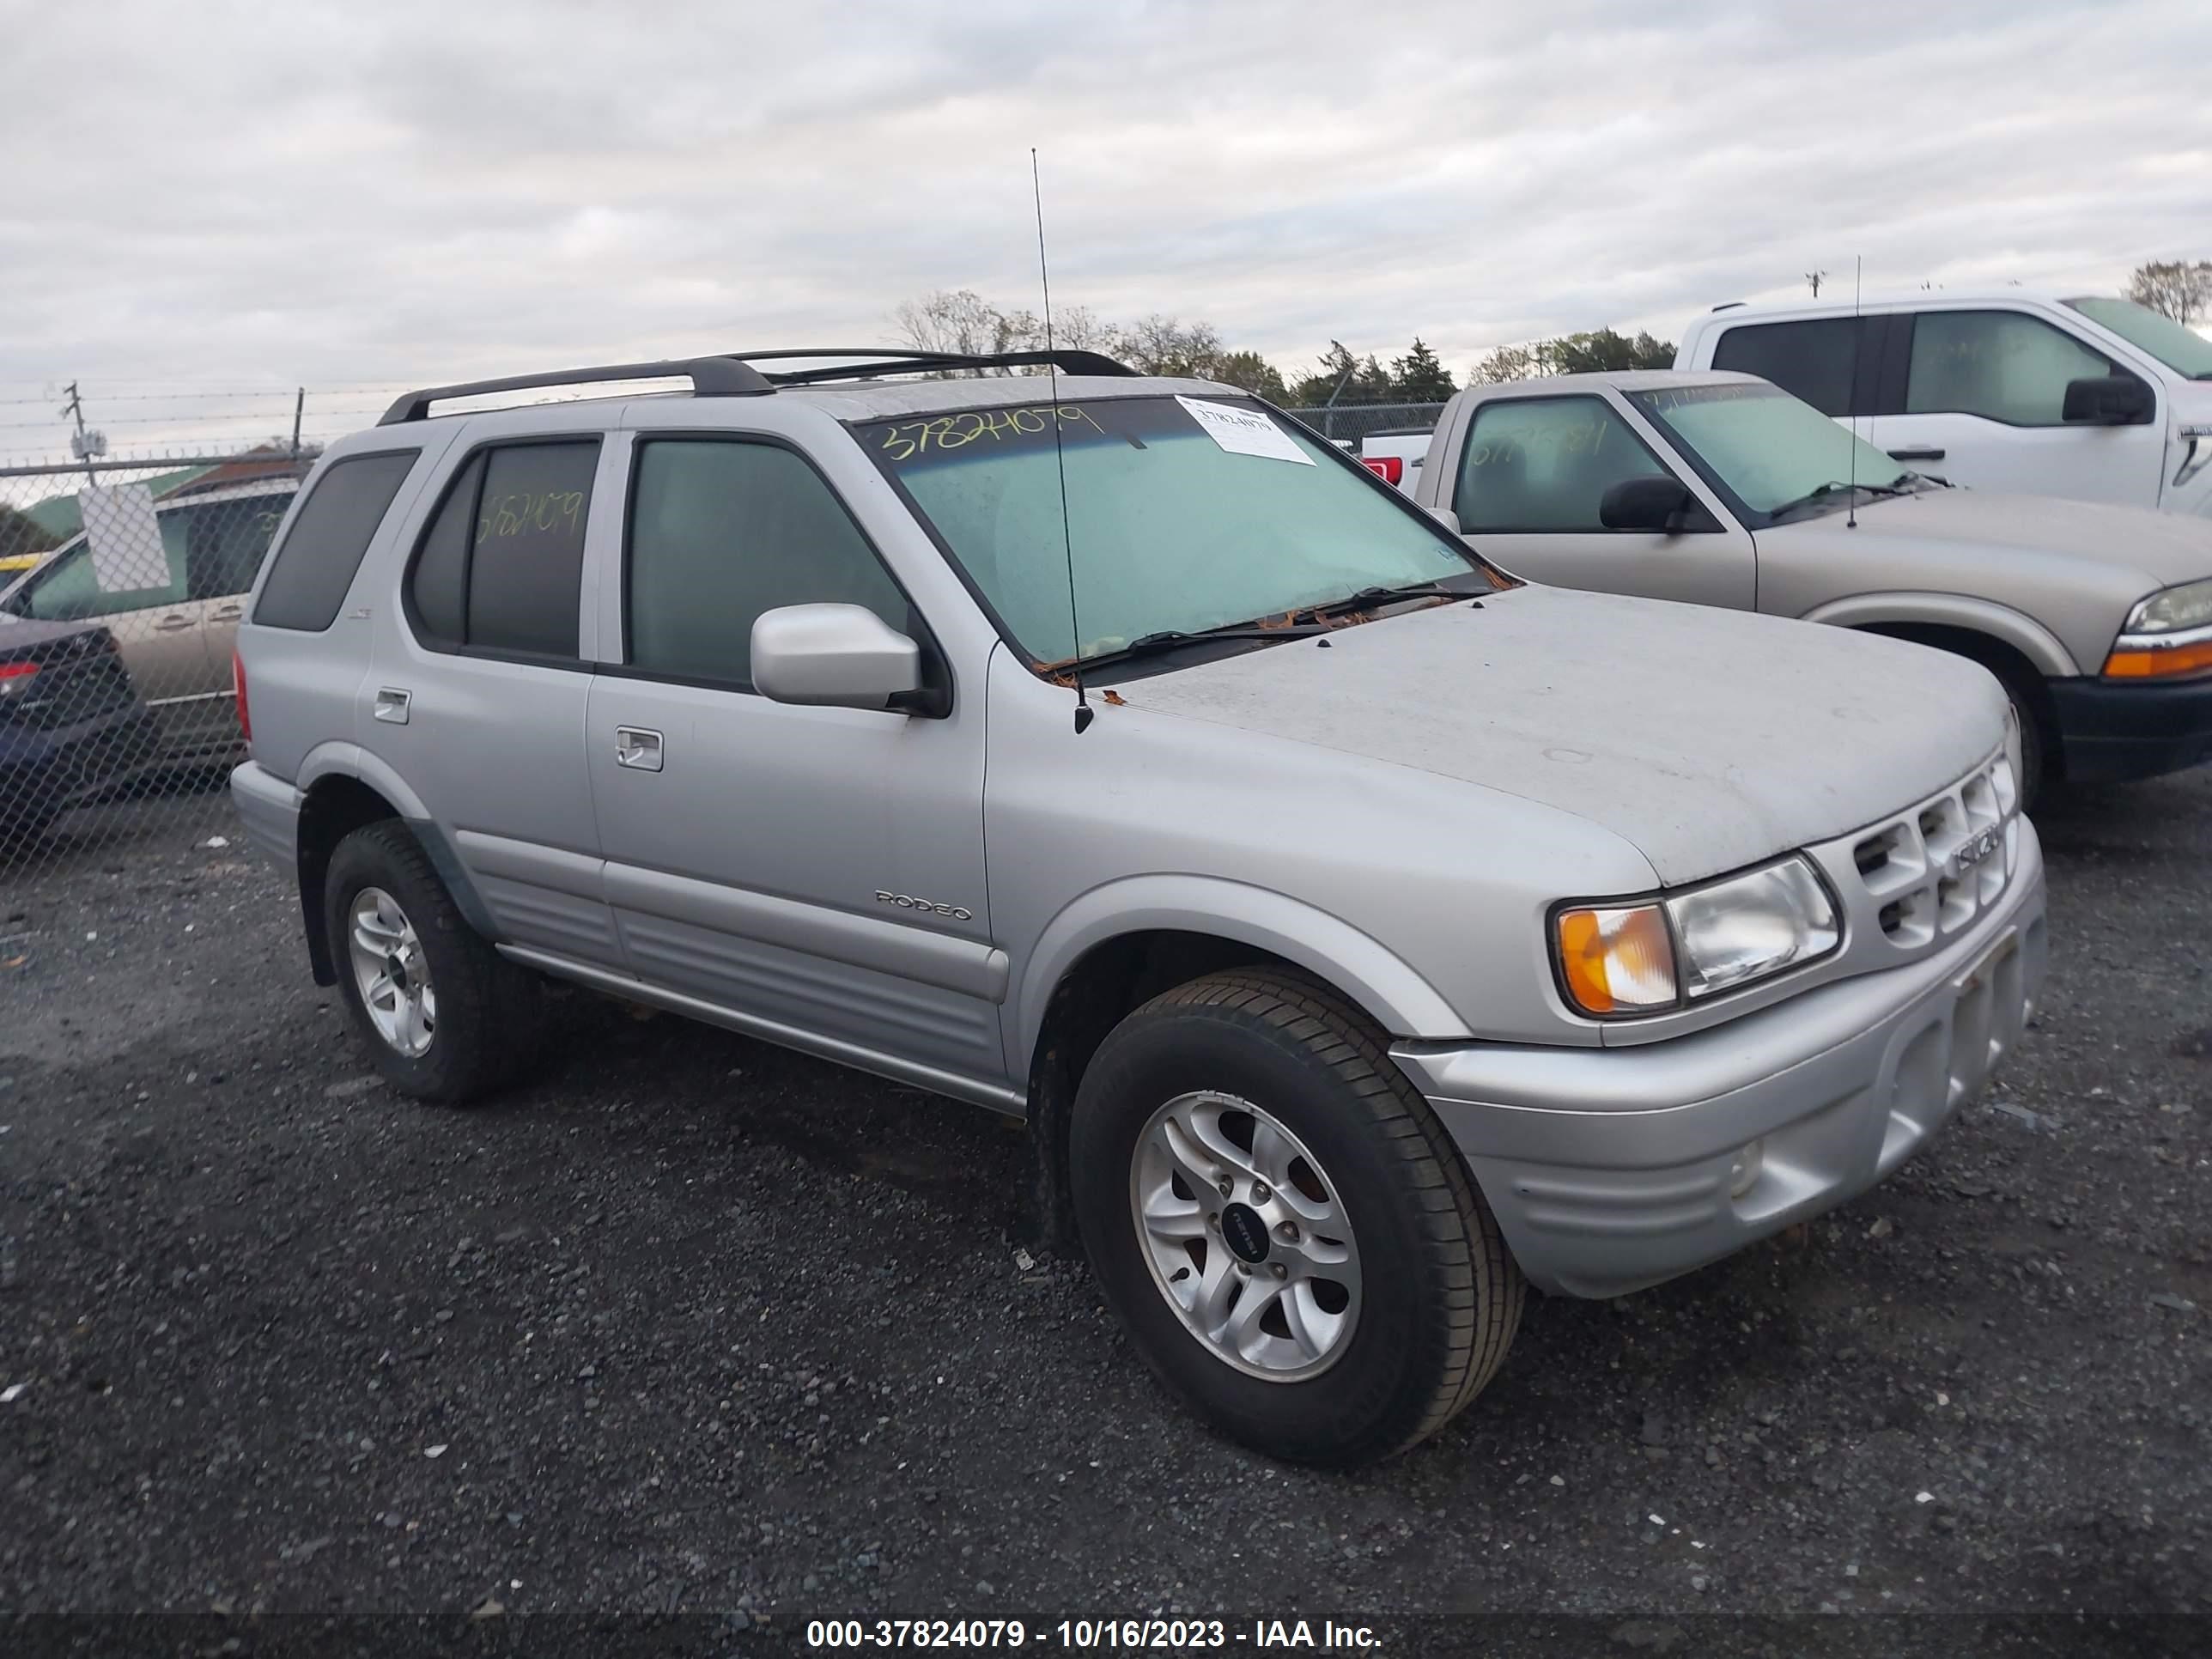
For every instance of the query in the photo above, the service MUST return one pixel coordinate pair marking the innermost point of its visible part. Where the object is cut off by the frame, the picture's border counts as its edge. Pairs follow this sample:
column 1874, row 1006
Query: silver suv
column 1361, row 932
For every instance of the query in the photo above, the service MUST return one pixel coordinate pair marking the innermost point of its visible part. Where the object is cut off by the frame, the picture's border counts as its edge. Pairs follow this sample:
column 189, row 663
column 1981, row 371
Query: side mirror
column 842, row 656
column 2109, row 400
column 1449, row 518
column 1657, row 502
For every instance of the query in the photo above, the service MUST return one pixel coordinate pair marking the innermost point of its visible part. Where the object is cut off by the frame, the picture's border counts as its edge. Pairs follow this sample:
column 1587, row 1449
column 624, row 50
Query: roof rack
column 732, row 374
column 878, row 360
column 710, row 377
column 1728, row 305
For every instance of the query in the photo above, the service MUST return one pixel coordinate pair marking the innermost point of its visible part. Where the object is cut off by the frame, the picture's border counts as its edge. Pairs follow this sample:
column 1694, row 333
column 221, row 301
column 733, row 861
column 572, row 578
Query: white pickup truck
column 2088, row 397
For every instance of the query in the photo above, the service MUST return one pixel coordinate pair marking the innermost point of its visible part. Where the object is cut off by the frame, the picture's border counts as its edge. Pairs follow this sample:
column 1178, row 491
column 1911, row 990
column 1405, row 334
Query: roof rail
column 879, row 359
column 1728, row 305
column 710, row 377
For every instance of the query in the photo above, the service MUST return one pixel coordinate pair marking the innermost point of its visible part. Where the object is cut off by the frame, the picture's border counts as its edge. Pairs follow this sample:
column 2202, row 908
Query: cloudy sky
column 350, row 197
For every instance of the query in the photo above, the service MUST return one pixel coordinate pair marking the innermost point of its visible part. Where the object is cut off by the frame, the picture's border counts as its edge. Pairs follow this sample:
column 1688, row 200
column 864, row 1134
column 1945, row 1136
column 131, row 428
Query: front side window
column 1817, row 360
column 2181, row 349
column 1544, row 464
column 722, row 531
column 501, row 568
column 69, row 587
column 2001, row 365
column 1771, row 453
column 1181, row 514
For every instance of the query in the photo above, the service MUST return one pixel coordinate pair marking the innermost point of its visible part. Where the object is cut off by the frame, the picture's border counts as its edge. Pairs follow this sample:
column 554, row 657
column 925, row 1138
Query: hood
column 1708, row 740
column 2149, row 549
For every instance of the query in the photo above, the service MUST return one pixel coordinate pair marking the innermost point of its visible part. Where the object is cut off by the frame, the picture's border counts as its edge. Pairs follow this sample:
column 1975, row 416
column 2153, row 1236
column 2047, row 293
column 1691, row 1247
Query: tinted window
column 1815, row 361
column 1545, row 464
column 324, row 548
column 500, row 567
column 69, row 589
column 225, row 542
column 721, row 533
column 527, row 559
column 1997, row 364
column 437, row 585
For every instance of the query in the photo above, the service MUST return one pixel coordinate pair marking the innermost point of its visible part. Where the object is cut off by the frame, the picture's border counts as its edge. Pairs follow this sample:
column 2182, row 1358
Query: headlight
column 2167, row 636
column 1638, row 959
column 2172, row 609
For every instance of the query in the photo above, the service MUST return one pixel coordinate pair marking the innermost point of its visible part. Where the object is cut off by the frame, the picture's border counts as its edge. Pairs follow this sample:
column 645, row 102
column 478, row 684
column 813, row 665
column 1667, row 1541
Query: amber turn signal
column 1617, row 960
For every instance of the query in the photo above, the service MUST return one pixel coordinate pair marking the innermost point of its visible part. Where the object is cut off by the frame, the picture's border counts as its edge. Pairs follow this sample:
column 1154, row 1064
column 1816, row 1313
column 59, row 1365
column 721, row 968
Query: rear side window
column 321, row 554
column 1816, row 361
column 499, row 568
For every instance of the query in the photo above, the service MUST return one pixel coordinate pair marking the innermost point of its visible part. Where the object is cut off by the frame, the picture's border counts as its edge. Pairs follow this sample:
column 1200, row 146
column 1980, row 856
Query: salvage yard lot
column 689, row 1322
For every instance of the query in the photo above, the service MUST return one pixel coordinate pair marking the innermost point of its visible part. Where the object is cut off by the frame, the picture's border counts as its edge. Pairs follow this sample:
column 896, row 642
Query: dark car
column 71, row 723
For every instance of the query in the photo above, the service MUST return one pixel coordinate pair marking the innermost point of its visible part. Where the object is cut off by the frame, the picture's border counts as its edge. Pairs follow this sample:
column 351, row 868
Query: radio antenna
column 1858, row 336
column 1084, row 712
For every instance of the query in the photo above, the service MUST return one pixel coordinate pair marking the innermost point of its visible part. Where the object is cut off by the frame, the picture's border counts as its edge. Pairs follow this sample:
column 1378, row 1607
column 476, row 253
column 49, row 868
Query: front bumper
column 1609, row 1169
column 2110, row 733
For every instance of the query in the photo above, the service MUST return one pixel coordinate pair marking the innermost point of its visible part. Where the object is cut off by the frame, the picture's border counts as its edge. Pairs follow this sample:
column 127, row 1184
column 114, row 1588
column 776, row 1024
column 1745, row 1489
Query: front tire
column 445, row 1017
column 1281, row 1224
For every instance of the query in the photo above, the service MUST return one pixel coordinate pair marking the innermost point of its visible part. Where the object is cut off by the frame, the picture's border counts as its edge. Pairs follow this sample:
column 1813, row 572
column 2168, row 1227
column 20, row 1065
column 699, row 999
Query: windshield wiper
column 1174, row 639
column 1834, row 487
column 1370, row 596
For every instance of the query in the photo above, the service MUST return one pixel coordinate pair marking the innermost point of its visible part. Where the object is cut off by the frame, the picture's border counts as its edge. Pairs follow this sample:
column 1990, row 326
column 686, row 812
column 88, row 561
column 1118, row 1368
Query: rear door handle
column 175, row 624
column 1916, row 454
column 638, row 747
column 393, row 705
column 229, row 613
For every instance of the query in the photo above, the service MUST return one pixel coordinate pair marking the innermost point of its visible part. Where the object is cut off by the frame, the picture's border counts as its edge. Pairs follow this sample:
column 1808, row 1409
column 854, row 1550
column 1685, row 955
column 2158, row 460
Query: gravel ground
column 695, row 1324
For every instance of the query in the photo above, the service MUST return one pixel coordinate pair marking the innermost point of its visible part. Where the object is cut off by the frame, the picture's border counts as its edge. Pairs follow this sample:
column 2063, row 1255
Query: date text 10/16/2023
column 1085, row 1635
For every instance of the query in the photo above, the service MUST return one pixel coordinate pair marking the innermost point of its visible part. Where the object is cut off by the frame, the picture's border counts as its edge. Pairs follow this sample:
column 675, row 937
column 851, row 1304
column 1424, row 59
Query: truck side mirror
column 2109, row 400
column 1657, row 502
column 1449, row 518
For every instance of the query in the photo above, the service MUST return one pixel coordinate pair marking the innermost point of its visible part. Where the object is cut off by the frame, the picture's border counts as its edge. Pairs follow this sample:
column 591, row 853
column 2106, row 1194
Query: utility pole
column 1814, row 278
column 85, row 445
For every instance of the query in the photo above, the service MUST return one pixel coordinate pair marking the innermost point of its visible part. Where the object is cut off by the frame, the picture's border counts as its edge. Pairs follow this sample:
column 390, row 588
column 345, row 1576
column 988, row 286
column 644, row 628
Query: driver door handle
column 638, row 747
column 175, row 624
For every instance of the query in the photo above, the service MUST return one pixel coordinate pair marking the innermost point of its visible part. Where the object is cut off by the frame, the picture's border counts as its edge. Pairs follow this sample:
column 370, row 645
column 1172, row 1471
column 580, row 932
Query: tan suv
column 174, row 610
column 1723, row 490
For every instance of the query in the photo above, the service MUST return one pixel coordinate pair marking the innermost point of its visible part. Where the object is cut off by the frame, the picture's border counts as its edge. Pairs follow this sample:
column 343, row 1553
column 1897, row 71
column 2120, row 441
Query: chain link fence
column 121, row 585
column 1354, row 424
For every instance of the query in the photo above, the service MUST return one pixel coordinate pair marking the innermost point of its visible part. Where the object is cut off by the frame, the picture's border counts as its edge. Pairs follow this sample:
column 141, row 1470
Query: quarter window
column 2001, row 365
column 323, row 550
column 1544, row 464
column 500, row 566
column 1816, row 359
column 720, row 532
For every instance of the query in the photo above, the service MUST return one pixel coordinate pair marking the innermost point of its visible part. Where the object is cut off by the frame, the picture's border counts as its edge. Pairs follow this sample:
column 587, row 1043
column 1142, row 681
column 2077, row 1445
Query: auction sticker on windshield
column 1243, row 431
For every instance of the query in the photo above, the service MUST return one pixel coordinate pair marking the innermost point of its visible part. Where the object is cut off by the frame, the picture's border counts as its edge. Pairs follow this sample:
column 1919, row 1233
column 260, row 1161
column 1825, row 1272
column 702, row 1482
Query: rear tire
column 445, row 1017
column 1384, row 1296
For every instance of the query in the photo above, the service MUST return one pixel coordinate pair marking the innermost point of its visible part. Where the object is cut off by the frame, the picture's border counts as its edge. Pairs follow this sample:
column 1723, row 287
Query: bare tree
column 1816, row 277
column 2178, row 289
column 1167, row 345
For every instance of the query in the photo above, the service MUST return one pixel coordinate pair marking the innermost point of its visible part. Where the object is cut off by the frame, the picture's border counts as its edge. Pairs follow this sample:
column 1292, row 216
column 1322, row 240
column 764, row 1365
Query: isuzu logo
column 1977, row 849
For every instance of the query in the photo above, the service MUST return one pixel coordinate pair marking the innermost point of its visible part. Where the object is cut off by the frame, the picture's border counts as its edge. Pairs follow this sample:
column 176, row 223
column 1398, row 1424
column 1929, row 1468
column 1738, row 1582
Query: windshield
column 1765, row 448
column 2182, row 349
column 1182, row 513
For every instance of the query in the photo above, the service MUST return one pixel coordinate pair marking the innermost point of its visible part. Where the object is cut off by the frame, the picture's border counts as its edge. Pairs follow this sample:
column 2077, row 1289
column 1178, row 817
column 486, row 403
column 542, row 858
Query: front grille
column 1931, row 871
